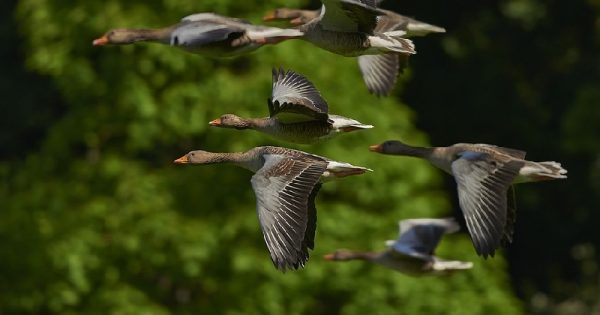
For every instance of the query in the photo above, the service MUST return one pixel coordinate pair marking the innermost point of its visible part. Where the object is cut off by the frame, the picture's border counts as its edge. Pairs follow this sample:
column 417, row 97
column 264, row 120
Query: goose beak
column 182, row 160
column 329, row 257
column 100, row 41
column 376, row 148
column 215, row 122
column 270, row 16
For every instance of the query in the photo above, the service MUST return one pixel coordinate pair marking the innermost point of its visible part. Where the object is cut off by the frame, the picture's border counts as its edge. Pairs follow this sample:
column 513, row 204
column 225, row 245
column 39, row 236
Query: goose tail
column 341, row 169
column 540, row 171
column 443, row 265
column 393, row 41
column 344, row 124
column 422, row 29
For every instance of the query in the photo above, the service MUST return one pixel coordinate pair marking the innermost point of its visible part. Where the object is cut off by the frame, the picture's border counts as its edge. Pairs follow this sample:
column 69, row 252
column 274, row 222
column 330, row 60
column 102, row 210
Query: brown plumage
column 204, row 33
column 297, row 113
column 285, row 183
column 483, row 174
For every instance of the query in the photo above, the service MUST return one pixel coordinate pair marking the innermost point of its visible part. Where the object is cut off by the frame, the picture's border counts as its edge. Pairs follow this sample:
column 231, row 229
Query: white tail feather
column 441, row 265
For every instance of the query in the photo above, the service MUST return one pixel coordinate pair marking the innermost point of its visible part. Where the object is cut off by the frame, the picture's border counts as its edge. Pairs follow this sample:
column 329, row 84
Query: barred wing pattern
column 295, row 99
column 380, row 72
column 482, row 190
column 285, row 189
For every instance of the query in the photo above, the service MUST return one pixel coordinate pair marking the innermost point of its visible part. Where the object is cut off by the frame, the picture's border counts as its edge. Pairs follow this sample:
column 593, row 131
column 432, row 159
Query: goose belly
column 219, row 49
column 341, row 43
column 303, row 133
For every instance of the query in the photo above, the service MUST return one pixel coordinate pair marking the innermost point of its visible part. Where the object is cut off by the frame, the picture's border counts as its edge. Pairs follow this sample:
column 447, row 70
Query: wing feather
column 295, row 99
column 285, row 189
column 482, row 189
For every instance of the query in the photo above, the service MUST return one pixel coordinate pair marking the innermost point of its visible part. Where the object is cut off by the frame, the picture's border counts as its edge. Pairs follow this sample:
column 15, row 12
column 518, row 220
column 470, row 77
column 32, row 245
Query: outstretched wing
column 295, row 99
column 482, row 187
column 349, row 15
column 283, row 188
column 379, row 72
column 421, row 236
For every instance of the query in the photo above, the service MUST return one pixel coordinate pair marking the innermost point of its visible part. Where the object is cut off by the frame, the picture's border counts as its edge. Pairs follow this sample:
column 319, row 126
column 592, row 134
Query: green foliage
column 98, row 220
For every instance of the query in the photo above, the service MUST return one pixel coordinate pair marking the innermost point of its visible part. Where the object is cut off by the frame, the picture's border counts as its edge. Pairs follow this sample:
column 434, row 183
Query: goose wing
column 200, row 33
column 349, row 15
column 285, row 189
column 483, row 183
column 420, row 237
column 295, row 99
column 379, row 72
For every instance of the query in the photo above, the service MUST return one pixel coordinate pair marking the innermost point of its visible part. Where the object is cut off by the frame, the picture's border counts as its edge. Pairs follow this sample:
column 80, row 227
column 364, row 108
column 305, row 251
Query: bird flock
column 286, row 181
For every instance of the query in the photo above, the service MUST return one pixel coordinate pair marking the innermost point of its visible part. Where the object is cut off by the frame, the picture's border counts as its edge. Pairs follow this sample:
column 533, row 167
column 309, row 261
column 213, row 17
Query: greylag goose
column 391, row 20
column 412, row 252
column 349, row 28
column 379, row 71
column 204, row 33
column 285, row 183
column 297, row 111
column 483, row 174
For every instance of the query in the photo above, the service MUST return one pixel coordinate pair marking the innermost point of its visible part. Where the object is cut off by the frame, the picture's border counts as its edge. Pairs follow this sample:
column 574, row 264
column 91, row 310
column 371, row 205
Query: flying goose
column 483, row 174
column 349, row 28
column 285, row 183
column 204, row 33
column 412, row 252
column 412, row 27
column 297, row 112
column 379, row 71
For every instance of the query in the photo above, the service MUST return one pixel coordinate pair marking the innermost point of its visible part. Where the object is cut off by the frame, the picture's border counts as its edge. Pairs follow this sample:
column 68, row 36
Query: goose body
column 389, row 21
column 298, row 113
column 484, row 174
column 412, row 252
column 379, row 71
column 349, row 28
column 206, row 34
column 285, row 183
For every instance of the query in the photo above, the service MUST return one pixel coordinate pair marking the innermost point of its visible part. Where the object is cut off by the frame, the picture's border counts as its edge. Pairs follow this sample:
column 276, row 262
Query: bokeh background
column 95, row 218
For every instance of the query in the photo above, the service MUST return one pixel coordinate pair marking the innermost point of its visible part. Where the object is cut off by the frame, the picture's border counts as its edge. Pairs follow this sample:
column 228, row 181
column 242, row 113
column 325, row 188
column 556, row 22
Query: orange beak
column 329, row 257
column 215, row 122
column 182, row 160
column 100, row 41
column 376, row 148
column 270, row 16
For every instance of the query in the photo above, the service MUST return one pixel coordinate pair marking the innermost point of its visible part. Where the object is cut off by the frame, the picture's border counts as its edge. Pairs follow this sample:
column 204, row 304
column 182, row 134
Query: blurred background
column 95, row 218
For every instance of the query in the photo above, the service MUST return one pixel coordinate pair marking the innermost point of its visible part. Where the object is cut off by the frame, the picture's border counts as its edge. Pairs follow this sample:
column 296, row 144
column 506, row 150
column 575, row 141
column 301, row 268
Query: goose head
column 118, row 36
column 230, row 121
column 197, row 157
column 390, row 147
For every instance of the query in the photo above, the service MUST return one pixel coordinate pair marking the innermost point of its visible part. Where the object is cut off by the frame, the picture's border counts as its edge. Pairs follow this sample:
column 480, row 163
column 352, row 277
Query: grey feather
column 283, row 187
column 482, row 189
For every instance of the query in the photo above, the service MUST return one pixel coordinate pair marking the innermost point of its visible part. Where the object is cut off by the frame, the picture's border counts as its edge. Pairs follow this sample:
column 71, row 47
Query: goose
column 349, row 28
column 379, row 71
column 285, row 183
column 204, row 33
column 412, row 252
column 412, row 27
column 297, row 111
column 483, row 174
